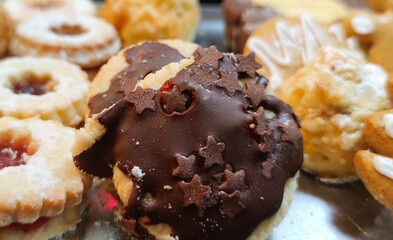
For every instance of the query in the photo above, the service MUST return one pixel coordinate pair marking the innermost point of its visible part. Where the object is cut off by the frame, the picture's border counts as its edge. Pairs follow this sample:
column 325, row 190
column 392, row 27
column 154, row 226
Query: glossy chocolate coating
column 251, row 156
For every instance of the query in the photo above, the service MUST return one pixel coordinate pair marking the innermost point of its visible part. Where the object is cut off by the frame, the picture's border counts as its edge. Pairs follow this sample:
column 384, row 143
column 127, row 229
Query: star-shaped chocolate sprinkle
column 230, row 82
column 262, row 121
column 209, row 56
column 267, row 141
column 267, row 168
column 212, row 152
column 142, row 99
column 231, row 205
column 256, row 93
column 175, row 101
column 285, row 133
column 195, row 193
column 187, row 167
column 203, row 75
column 247, row 64
column 234, row 181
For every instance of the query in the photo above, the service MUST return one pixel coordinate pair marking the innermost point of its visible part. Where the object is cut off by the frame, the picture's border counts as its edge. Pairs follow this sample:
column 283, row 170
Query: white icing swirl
column 388, row 123
column 292, row 45
column 384, row 166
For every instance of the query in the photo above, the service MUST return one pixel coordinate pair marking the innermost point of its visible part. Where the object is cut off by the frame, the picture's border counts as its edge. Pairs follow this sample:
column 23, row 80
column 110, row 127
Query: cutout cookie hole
column 66, row 29
column 13, row 150
column 33, row 84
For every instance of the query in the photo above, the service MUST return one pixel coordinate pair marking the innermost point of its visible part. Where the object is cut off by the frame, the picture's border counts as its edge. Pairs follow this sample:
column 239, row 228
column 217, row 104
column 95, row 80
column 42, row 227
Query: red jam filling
column 32, row 84
column 68, row 29
column 31, row 226
column 11, row 152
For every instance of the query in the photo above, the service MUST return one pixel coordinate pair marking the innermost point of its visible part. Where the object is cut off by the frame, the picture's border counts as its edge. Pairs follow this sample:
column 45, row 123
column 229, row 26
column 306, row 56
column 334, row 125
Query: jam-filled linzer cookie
column 333, row 94
column 41, row 189
column 198, row 150
column 42, row 87
column 22, row 10
column 83, row 40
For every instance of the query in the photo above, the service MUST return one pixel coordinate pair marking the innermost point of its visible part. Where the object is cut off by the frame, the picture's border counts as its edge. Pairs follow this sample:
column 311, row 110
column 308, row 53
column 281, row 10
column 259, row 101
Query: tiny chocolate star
column 212, row 152
column 267, row 168
column 209, row 56
column 231, row 205
column 186, row 167
column 234, row 181
column 247, row 64
column 175, row 100
column 195, row 193
column 262, row 122
column 285, row 133
column 203, row 75
column 142, row 99
column 230, row 82
column 256, row 93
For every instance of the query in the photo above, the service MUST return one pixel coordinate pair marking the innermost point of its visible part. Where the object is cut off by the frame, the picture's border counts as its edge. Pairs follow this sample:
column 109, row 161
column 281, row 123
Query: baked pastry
column 378, row 132
column 86, row 41
column 242, row 17
column 333, row 94
column 283, row 45
column 39, row 180
column 380, row 5
column 376, row 172
column 219, row 152
column 376, row 31
column 4, row 30
column 44, row 88
column 139, row 20
column 22, row 10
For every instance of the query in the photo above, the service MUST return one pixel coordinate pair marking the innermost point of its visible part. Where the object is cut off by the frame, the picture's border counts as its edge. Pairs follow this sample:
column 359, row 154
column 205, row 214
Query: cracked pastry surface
column 42, row 87
column 37, row 166
column 212, row 131
column 141, row 20
column 332, row 95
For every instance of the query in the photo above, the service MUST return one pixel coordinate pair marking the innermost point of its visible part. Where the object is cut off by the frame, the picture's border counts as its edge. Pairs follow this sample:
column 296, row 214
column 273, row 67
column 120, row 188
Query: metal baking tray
column 319, row 211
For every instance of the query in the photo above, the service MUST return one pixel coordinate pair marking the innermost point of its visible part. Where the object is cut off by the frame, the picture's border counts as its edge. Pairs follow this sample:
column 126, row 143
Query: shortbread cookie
column 283, row 45
column 376, row 172
column 140, row 20
column 375, row 30
column 332, row 95
column 219, row 152
column 22, row 10
column 378, row 132
column 86, row 41
column 37, row 166
column 44, row 88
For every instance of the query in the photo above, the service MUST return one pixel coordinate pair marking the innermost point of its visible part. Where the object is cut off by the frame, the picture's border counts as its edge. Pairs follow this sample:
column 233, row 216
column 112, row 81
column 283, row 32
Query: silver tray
column 318, row 211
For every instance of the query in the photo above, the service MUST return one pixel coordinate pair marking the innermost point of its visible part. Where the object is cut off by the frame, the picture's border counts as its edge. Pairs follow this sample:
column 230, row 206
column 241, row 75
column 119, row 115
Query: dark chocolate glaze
column 147, row 58
column 266, row 151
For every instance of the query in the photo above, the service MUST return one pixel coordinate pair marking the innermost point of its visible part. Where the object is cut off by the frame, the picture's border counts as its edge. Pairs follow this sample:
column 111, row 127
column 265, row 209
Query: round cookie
column 139, row 20
column 374, row 30
column 376, row 172
column 333, row 94
column 283, row 45
column 378, row 132
column 83, row 40
column 221, row 173
column 42, row 87
column 22, row 10
column 42, row 181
